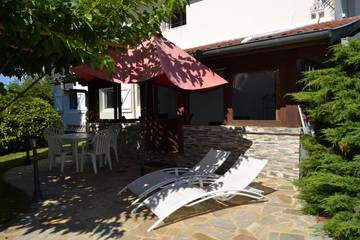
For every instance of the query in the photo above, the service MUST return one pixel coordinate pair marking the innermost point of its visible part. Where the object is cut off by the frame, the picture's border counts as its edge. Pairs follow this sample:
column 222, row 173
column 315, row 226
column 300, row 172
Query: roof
column 330, row 25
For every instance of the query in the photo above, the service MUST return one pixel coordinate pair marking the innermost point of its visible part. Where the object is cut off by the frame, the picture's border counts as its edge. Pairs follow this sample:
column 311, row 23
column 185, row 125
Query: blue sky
column 6, row 80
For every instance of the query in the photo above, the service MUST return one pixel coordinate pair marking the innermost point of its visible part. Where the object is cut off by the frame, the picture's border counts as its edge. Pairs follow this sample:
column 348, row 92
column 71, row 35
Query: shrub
column 28, row 116
column 330, row 184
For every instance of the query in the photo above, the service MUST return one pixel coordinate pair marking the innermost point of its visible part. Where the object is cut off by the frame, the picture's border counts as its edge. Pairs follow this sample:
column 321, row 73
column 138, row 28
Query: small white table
column 74, row 139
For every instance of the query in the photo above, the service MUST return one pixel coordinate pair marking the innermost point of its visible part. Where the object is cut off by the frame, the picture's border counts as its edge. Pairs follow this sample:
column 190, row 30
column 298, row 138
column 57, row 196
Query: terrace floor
column 86, row 206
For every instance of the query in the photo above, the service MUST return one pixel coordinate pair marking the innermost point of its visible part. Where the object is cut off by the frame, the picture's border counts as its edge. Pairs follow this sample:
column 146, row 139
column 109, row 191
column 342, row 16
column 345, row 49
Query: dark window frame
column 73, row 101
column 178, row 19
column 109, row 98
column 266, row 106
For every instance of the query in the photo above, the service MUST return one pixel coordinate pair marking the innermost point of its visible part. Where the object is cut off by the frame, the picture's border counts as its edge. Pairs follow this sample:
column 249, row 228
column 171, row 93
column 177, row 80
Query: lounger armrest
column 176, row 171
column 197, row 180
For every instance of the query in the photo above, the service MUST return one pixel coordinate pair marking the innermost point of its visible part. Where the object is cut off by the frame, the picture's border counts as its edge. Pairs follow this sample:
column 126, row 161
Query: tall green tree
column 3, row 90
column 332, row 97
column 331, row 174
column 43, row 89
column 38, row 36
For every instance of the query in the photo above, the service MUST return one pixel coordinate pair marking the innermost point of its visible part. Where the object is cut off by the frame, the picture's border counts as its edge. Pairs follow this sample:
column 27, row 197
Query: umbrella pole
column 37, row 197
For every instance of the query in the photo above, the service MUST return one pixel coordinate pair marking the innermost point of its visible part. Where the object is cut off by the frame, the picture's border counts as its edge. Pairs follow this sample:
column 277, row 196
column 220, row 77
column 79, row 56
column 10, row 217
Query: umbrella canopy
column 158, row 60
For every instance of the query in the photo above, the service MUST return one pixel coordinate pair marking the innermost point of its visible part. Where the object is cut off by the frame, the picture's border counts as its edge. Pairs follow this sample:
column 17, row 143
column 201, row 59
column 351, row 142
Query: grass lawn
column 12, row 200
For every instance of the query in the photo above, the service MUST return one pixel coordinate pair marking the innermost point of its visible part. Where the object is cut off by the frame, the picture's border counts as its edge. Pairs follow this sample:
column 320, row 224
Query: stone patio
column 86, row 206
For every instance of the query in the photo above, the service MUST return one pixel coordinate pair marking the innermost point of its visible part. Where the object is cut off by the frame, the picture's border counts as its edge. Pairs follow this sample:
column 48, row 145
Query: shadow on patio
column 87, row 205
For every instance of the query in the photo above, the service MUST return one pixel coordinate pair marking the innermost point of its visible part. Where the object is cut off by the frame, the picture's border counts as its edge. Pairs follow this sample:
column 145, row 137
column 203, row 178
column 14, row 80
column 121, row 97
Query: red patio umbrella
column 157, row 59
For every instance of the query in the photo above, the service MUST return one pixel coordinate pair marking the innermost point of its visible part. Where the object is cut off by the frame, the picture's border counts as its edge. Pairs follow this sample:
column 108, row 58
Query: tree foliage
column 29, row 116
column 331, row 174
column 332, row 97
column 42, row 35
column 2, row 89
column 42, row 89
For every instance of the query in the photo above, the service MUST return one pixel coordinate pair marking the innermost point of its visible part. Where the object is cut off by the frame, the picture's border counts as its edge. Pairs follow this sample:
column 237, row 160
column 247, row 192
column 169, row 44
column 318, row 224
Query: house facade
column 209, row 21
column 262, row 54
column 72, row 102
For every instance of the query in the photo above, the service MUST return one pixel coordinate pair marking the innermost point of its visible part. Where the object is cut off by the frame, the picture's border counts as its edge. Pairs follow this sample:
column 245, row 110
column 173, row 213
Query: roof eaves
column 346, row 30
column 264, row 43
column 332, row 35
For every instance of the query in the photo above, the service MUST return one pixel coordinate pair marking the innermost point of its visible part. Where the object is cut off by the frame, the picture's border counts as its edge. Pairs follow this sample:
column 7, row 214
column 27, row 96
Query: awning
column 158, row 60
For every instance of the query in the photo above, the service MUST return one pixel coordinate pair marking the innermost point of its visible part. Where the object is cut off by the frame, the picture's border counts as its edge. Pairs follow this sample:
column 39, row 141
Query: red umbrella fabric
column 158, row 60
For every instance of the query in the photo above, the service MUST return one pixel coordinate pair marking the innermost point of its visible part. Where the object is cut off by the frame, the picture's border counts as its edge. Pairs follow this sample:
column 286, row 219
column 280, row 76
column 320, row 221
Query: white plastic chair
column 98, row 147
column 193, row 191
column 155, row 180
column 56, row 149
column 50, row 132
column 115, row 131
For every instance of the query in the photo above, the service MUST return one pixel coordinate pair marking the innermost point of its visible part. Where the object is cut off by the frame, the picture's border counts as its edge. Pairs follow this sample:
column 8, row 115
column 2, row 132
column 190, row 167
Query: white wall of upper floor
column 210, row 21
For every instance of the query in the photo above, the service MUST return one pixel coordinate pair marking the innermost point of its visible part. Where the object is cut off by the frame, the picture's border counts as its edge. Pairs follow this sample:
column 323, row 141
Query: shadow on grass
column 12, row 200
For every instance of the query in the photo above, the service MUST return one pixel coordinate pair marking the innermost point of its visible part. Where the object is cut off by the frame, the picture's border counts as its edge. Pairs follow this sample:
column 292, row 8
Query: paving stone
column 274, row 236
column 224, row 224
column 245, row 218
column 293, row 212
column 285, row 198
column 278, row 145
column 243, row 237
column 66, row 214
column 201, row 236
column 270, row 210
column 287, row 236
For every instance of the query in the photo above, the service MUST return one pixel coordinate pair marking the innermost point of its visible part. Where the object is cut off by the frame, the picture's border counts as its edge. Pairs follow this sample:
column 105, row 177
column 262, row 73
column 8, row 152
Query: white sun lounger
column 150, row 182
column 192, row 191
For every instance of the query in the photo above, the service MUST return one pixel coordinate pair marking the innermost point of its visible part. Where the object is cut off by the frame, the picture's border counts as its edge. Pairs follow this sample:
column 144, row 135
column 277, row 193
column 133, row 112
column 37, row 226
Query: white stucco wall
column 71, row 117
column 210, row 21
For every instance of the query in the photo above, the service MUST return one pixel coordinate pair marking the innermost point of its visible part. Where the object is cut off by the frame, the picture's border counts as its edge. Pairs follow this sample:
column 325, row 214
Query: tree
column 331, row 174
column 3, row 90
column 28, row 117
column 42, row 36
column 39, row 36
column 332, row 97
column 42, row 89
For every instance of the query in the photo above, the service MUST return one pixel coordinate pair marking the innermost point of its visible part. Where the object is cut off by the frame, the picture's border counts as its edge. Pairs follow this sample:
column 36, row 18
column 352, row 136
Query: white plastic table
column 74, row 139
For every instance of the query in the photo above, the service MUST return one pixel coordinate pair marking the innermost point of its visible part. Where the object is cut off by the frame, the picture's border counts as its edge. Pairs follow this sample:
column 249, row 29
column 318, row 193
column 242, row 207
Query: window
column 73, row 101
column 207, row 107
column 106, row 103
column 109, row 98
column 178, row 19
column 253, row 95
column 167, row 102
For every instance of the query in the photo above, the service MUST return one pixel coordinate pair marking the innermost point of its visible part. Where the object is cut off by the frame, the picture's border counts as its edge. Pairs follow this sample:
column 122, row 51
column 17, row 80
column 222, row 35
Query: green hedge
column 29, row 115
column 331, row 187
column 330, row 184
